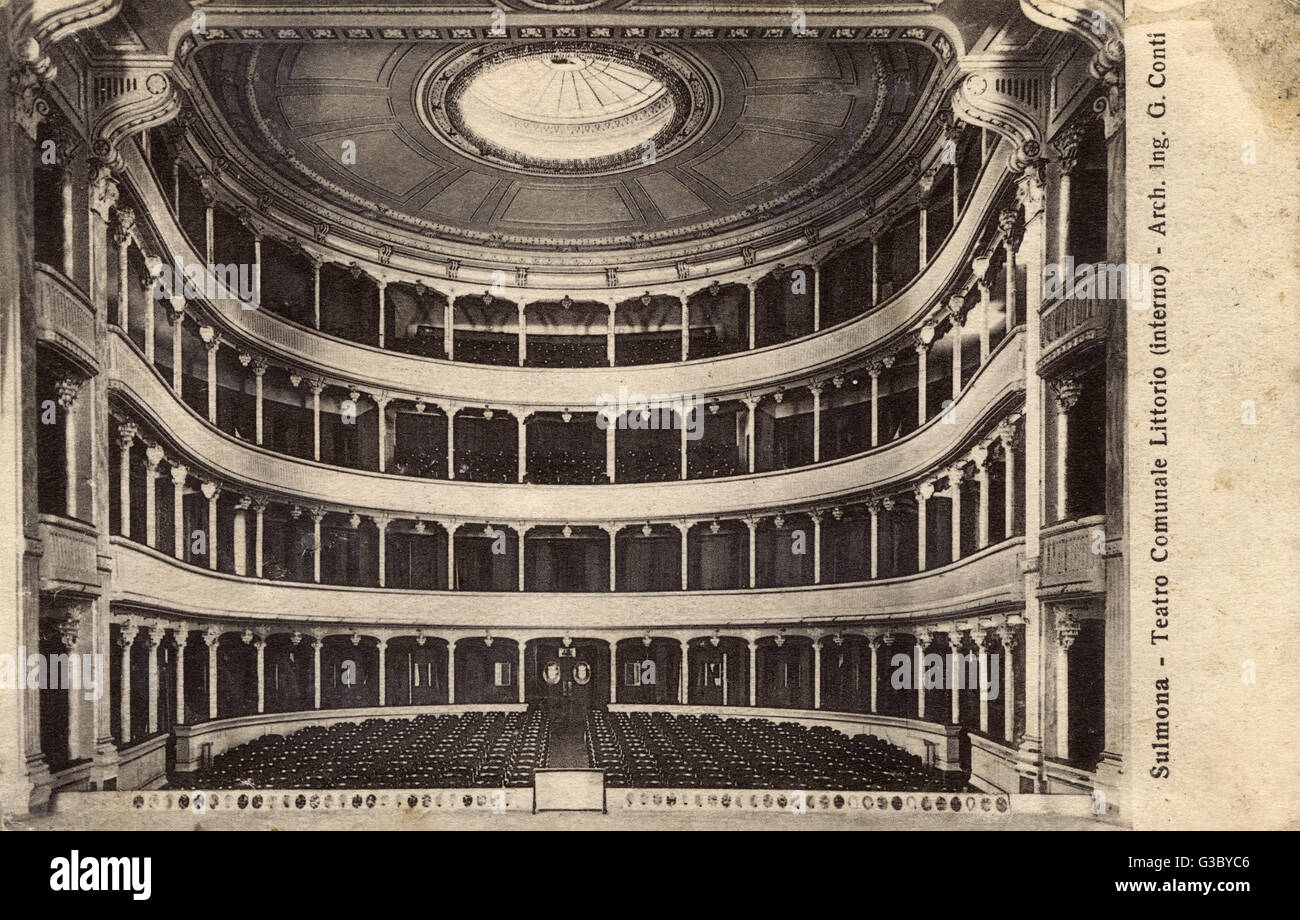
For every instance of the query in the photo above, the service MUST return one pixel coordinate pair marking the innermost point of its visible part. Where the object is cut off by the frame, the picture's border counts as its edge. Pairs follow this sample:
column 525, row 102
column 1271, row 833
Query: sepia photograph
column 588, row 414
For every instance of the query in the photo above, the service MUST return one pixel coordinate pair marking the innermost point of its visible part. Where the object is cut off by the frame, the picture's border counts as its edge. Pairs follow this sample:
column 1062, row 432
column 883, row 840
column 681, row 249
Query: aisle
column 567, row 746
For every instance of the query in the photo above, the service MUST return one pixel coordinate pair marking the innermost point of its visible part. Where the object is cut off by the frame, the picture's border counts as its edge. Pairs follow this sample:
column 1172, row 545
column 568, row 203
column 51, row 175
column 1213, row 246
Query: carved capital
column 67, row 389
column 1066, row 145
column 179, row 472
column 126, row 435
column 28, row 74
column 1067, row 630
column 1067, row 391
column 124, row 226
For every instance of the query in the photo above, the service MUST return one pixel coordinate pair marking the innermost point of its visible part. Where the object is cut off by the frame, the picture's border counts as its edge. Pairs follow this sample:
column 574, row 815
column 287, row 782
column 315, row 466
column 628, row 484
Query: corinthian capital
column 28, row 74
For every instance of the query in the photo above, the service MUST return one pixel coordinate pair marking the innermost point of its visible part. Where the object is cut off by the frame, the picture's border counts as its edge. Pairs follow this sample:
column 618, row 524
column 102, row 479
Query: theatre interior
column 519, row 407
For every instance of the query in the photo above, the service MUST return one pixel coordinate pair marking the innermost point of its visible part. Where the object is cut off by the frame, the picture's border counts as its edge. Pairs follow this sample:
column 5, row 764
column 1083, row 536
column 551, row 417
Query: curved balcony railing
column 256, row 470
column 148, row 580
column 65, row 317
column 372, row 368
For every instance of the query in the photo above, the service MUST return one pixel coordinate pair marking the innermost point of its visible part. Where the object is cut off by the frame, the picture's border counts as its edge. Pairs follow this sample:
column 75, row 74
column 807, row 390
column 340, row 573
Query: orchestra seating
column 427, row 751
column 640, row 749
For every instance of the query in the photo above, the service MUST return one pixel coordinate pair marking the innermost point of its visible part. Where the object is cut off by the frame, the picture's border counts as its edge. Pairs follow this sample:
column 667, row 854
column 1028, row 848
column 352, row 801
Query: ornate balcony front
column 69, row 556
column 988, row 580
column 1072, row 325
column 1073, row 559
column 65, row 318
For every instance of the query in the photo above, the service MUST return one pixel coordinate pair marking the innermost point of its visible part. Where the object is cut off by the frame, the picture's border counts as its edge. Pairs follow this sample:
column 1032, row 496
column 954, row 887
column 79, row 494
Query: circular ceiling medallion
column 567, row 108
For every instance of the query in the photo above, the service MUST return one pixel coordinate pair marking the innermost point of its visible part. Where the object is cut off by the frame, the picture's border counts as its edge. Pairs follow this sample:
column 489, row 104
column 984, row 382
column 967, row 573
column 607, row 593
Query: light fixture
column 487, row 639
column 778, row 522
column 419, row 406
column 646, row 530
column 419, row 526
column 488, row 413
column 646, row 640
column 567, row 531
column 567, row 416
column 714, row 527
column 354, row 395
column 295, row 379
column 295, row 512
column 488, row 531
column 487, row 298
column 779, row 396
column 714, row 289
column 837, row 513
column 354, row 520
column 645, row 299
column 420, row 289
column 566, row 301
column 713, row 407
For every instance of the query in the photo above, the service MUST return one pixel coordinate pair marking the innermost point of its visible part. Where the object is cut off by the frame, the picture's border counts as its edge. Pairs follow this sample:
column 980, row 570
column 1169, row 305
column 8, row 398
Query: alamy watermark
column 660, row 412
column 213, row 281
column 1103, row 281
column 35, row 671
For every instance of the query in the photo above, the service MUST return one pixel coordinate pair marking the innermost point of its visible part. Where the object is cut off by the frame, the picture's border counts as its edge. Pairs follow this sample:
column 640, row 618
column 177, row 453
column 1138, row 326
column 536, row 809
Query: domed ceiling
column 582, row 143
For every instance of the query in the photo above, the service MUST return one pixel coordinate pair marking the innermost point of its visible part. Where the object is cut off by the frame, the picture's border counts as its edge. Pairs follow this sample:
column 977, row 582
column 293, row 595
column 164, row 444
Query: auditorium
column 512, row 410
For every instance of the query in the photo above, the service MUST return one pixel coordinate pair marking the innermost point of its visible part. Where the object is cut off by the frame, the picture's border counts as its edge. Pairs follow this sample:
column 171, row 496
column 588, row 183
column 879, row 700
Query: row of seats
column 427, row 751
column 642, row 749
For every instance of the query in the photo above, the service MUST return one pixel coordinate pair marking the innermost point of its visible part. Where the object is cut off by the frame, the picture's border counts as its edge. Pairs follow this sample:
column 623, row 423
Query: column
column 613, row 672
column 178, row 325
column 1006, row 222
column 126, row 433
column 875, row 370
column 450, row 409
column 450, row 527
column 956, row 332
column 383, row 290
column 874, row 642
column 259, row 513
column 149, row 322
column 1007, row 636
column 980, row 457
column 612, row 530
column 817, row 297
column 316, row 385
column 875, row 270
column 153, row 455
column 451, row 670
column 521, row 555
column 381, row 526
column 753, row 670
column 317, row 515
column 751, row 406
column 448, row 327
column 67, row 390
column 683, row 419
column 383, row 669
column 686, row 327
column 1066, row 146
column 955, row 642
column 176, row 188
column 315, row 290
column 752, row 524
column 124, row 640
column 753, row 313
column 918, row 670
column 521, row 417
column 816, row 389
column 981, row 639
column 611, row 446
column 609, row 335
column 873, row 509
column 817, row 546
column 1067, row 396
column 685, row 528
column 316, row 642
column 522, row 645
column 985, row 292
column 178, row 474
column 257, row 268
column 212, row 639
column 923, row 493
column 122, row 232
column 817, row 671
column 922, row 346
column 211, row 490
column 259, row 365
column 684, row 674
column 1067, row 630
column 211, row 342
column 956, row 193
column 69, row 220
column 955, row 477
column 924, row 212
column 259, row 644
column 239, row 533
column 522, row 323
column 208, row 234
column 381, row 424
column 181, row 635
column 1006, row 435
